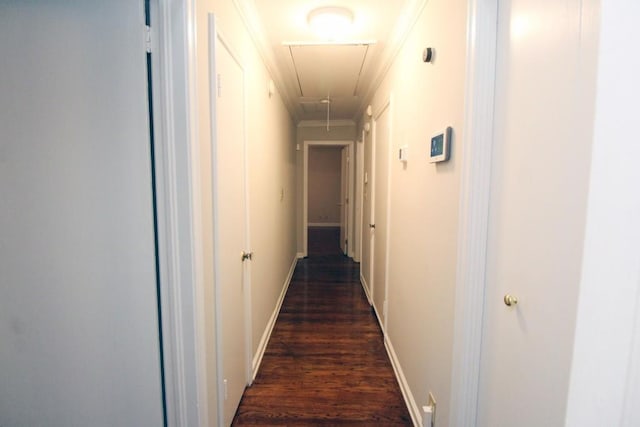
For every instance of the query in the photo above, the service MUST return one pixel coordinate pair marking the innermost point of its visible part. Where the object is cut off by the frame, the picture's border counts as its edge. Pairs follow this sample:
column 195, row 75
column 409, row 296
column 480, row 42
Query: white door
column 227, row 89
column 538, row 199
column 79, row 341
column 379, row 223
column 366, row 236
column 344, row 199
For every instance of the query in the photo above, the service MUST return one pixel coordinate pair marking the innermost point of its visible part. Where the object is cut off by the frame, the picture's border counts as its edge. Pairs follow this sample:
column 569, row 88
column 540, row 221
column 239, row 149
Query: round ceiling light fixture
column 330, row 23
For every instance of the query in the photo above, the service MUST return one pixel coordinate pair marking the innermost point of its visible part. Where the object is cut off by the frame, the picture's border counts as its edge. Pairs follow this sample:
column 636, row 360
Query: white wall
column 426, row 98
column 271, row 168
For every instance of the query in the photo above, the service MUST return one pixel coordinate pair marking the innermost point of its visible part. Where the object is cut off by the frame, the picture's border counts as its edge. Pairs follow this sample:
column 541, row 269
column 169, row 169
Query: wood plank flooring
column 325, row 363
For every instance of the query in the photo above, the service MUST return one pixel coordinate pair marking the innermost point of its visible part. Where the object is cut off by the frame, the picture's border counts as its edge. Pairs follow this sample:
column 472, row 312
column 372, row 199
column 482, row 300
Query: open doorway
column 327, row 205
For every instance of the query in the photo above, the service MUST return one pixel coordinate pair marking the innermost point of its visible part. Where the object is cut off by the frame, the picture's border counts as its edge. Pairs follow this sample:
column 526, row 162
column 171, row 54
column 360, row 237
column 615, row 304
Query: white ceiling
column 307, row 69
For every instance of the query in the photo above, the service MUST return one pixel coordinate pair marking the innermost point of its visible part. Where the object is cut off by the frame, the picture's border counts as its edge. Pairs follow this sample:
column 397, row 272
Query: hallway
column 326, row 362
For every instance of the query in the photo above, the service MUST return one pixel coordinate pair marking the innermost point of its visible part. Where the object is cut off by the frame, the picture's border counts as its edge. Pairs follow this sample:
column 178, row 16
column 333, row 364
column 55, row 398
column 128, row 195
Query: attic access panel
column 328, row 69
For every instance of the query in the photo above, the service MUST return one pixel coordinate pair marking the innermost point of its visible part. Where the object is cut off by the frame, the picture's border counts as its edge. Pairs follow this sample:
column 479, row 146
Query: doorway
column 328, row 187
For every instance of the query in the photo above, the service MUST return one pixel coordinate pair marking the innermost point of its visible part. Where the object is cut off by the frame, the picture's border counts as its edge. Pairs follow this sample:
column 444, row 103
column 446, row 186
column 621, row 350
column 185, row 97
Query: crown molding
column 251, row 21
column 404, row 25
column 323, row 123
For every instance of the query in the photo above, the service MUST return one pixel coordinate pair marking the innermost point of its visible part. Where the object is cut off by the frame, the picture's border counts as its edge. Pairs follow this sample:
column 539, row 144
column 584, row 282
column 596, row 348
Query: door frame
column 305, row 189
column 345, row 244
column 359, row 197
column 178, row 202
column 473, row 219
column 179, row 218
column 374, row 180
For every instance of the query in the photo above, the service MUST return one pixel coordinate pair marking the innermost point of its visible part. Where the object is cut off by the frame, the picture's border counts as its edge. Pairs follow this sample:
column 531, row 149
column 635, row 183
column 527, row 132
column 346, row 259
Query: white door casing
column 379, row 227
column 305, row 190
column 359, row 198
column 367, row 196
column 227, row 98
column 346, row 175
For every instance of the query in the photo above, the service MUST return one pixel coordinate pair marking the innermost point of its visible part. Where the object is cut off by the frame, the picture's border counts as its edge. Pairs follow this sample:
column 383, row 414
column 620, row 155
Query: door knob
column 372, row 226
column 510, row 300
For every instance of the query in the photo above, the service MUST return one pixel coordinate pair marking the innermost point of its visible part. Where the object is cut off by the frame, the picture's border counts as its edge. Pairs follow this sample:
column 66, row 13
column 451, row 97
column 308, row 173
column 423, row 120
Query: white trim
column 252, row 23
column 409, row 400
column 372, row 212
column 405, row 23
column 299, row 255
column 408, row 18
column 474, row 210
column 352, row 42
column 359, row 197
column 246, row 276
column 266, row 336
column 212, row 38
column 305, row 189
column 365, row 286
column 377, row 313
column 323, row 224
column 323, row 123
column 388, row 105
column 178, row 212
column 388, row 208
column 630, row 410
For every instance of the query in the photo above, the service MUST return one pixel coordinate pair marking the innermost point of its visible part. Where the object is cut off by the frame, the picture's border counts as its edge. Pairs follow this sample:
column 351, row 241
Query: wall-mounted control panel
column 440, row 149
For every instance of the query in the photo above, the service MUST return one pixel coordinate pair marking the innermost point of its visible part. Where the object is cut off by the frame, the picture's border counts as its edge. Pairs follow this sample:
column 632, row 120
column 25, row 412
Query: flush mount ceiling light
column 330, row 23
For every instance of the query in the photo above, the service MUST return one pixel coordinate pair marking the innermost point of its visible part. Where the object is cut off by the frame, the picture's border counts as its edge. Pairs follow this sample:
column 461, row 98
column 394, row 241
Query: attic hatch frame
column 306, row 100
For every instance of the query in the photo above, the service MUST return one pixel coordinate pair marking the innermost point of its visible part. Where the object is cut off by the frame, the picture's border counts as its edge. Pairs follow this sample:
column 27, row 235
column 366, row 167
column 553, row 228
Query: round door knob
column 510, row 300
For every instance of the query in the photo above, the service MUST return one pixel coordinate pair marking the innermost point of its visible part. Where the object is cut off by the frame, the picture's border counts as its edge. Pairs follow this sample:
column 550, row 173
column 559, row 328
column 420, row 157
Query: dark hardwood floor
column 325, row 363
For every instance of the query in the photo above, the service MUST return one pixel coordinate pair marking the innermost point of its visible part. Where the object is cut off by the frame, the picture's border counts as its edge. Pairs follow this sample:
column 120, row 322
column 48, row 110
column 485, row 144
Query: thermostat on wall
column 440, row 147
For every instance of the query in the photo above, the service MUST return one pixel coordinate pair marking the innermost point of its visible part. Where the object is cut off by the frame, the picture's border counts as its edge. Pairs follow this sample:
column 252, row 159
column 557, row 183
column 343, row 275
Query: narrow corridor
column 326, row 362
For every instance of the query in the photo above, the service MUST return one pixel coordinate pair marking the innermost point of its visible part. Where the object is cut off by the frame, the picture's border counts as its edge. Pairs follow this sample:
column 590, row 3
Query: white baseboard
column 324, row 224
column 262, row 347
column 300, row 255
column 363, row 282
column 416, row 417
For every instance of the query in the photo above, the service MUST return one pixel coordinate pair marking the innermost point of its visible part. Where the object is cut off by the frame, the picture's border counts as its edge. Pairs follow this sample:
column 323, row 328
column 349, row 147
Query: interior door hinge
column 147, row 38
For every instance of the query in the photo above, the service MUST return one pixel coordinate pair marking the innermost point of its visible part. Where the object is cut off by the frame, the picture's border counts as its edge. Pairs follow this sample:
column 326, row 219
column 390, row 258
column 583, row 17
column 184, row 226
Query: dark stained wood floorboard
column 325, row 363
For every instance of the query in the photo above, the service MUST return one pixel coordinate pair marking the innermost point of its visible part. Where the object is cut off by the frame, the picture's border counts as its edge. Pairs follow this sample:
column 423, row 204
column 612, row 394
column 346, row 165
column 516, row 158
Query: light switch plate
column 403, row 153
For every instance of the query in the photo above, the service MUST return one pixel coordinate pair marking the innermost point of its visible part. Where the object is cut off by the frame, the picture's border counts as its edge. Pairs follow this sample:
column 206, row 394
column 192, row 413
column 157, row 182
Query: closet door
column 79, row 341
